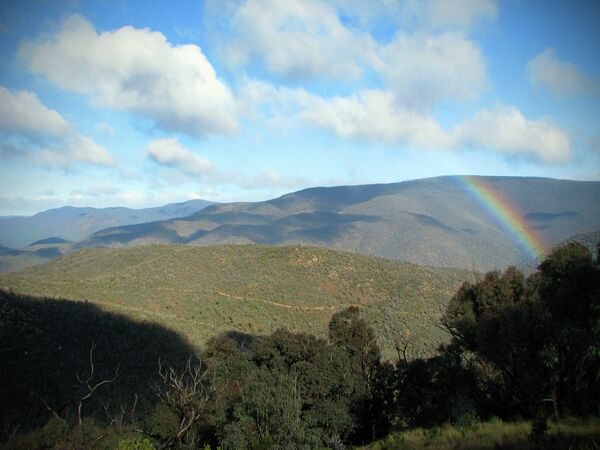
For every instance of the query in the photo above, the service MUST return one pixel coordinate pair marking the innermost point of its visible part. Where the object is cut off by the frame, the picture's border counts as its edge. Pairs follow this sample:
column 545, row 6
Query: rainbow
column 506, row 213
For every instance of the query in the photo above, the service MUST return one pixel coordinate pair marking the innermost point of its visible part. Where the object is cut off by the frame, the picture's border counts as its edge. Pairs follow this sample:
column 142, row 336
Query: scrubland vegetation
column 200, row 292
column 520, row 369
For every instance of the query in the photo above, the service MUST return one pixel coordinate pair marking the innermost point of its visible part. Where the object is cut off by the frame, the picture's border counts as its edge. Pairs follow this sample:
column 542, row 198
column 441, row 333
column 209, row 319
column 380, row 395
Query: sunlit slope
column 434, row 221
column 202, row 291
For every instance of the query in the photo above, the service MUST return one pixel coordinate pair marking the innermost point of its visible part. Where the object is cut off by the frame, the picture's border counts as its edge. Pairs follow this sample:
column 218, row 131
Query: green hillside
column 203, row 291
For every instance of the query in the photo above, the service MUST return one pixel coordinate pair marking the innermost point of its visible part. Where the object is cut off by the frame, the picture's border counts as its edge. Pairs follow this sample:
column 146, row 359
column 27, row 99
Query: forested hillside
column 522, row 349
column 202, row 291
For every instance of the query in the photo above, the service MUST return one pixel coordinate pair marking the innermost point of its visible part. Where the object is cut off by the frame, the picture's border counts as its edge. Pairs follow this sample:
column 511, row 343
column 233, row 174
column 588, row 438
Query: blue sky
column 131, row 103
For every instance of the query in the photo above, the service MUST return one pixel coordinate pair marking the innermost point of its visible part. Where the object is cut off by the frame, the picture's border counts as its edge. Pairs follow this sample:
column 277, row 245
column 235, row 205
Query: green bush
column 136, row 444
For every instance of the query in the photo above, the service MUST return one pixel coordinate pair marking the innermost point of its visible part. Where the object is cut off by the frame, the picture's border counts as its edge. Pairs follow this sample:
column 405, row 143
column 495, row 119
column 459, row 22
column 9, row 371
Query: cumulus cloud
column 298, row 40
column 506, row 130
column 136, row 70
column 546, row 70
column 302, row 40
column 22, row 112
column 75, row 147
column 424, row 69
column 375, row 116
column 170, row 152
column 24, row 118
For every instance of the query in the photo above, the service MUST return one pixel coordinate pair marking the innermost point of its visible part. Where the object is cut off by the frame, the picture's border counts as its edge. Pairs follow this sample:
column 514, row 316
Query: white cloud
column 298, row 40
column 458, row 13
column 506, row 130
column 546, row 70
column 75, row 148
column 375, row 116
column 169, row 152
column 22, row 112
column 84, row 149
column 22, row 115
column 424, row 69
column 301, row 40
column 136, row 70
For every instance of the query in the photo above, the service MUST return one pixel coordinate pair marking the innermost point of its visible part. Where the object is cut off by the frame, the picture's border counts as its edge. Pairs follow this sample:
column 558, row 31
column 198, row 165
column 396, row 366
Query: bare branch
column 402, row 344
column 187, row 394
column 87, row 383
column 52, row 411
column 133, row 407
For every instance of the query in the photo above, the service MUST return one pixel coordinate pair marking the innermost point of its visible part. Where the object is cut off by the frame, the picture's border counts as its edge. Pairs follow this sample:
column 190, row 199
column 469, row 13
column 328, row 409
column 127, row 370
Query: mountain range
column 71, row 223
column 435, row 221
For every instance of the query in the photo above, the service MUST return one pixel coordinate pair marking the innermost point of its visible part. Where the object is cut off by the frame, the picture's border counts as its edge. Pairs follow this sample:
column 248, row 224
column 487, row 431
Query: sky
column 138, row 104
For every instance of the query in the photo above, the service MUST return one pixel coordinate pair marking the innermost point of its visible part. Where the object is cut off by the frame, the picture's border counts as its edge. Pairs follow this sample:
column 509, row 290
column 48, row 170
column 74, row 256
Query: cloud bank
column 430, row 59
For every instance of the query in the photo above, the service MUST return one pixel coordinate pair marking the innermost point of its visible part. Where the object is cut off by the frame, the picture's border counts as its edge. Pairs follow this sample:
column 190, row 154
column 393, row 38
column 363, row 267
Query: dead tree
column 89, row 384
column 90, row 387
column 402, row 344
column 187, row 394
column 118, row 418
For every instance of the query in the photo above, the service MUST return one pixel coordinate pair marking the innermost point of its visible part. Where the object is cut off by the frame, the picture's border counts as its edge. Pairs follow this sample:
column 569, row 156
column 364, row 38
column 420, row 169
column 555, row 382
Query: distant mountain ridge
column 50, row 240
column 72, row 223
column 433, row 221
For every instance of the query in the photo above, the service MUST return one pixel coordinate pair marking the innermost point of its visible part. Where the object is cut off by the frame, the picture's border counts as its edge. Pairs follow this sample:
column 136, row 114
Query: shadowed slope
column 46, row 343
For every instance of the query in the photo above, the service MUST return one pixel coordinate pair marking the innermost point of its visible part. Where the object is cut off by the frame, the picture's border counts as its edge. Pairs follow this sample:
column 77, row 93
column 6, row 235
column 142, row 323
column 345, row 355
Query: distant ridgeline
column 470, row 222
column 74, row 223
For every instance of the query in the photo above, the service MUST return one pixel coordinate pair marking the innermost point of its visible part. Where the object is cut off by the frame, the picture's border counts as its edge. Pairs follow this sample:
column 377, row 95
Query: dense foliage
column 521, row 348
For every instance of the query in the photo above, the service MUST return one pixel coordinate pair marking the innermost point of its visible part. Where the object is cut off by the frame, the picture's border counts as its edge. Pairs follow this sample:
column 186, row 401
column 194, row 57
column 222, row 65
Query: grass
column 202, row 291
column 496, row 434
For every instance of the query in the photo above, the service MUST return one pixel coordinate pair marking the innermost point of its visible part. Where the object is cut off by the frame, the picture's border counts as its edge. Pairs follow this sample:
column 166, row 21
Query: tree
column 533, row 339
column 295, row 393
column 186, row 395
column 353, row 335
column 568, row 291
